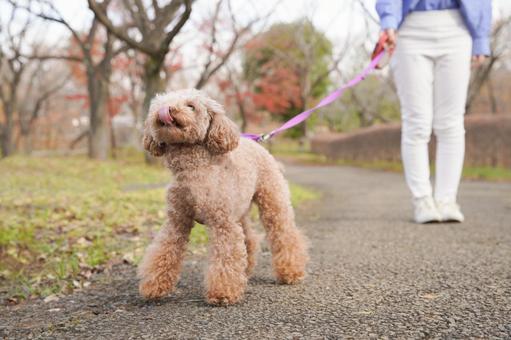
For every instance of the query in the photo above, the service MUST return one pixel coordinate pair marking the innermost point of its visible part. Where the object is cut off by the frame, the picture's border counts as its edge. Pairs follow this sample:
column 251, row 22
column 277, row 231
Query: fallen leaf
column 128, row 258
column 87, row 273
column 11, row 301
column 51, row 298
column 82, row 241
column 429, row 296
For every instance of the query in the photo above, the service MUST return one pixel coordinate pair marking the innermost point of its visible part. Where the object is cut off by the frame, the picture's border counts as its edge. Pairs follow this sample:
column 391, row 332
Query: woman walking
column 433, row 41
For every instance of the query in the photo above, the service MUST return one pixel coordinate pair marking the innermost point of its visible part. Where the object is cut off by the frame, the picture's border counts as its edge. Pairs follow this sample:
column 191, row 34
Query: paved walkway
column 373, row 274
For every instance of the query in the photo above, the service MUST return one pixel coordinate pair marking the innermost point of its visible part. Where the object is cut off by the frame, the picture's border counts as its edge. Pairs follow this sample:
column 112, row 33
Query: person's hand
column 478, row 60
column 390, row 45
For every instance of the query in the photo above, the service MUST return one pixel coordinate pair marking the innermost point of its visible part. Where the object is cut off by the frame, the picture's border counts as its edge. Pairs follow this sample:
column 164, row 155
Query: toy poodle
column 217, row 176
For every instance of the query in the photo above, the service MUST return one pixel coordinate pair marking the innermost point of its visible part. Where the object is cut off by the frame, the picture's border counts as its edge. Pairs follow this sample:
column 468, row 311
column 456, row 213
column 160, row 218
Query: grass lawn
column 63, row 219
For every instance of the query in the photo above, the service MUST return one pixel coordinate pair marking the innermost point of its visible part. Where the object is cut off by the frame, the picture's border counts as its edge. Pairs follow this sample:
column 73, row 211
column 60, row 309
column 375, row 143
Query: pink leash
column 324, row 102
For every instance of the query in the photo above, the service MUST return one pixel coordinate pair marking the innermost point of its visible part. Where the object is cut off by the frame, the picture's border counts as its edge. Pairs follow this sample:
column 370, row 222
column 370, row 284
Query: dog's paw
column 290, row 277
column 222, row 299
column 152, row 289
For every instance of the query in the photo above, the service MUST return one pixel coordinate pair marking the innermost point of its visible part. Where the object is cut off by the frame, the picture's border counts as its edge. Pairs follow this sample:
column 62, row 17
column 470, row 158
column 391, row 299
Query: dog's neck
column 181, row 158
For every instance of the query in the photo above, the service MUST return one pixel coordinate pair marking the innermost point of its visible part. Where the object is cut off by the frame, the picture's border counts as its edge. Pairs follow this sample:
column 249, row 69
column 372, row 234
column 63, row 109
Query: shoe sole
column 452, row 220
column 427, row 222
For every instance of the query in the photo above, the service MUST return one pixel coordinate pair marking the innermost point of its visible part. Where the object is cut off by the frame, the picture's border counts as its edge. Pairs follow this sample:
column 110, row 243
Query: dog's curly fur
column 217, row 177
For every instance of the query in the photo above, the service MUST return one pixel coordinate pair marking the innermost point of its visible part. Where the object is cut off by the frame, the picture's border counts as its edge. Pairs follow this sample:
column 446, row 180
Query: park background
column 77, row 193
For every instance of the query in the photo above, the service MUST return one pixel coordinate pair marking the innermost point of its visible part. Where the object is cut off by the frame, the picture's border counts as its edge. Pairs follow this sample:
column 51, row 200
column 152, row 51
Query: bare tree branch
column 148, row 29
column 182, row 20
column 368, row 12
column 57, row 57
column 211, row 67
column 482, row 74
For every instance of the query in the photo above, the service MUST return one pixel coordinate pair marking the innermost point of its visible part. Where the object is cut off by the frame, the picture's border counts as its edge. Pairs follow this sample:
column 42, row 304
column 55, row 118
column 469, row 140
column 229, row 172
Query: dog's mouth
column 165, row 118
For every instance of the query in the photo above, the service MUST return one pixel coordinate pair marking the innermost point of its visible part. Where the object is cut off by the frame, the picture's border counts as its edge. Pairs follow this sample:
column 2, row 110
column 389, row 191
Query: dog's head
column 189, row 117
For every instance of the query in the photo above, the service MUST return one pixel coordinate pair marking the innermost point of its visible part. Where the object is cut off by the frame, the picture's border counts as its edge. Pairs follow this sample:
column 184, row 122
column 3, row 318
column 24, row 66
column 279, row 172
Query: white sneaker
column 425, row 210
column 450, row 212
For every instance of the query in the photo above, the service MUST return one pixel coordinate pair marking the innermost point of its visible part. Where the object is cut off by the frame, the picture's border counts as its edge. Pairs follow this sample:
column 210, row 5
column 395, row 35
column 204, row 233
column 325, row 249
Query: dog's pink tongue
column 164, row 115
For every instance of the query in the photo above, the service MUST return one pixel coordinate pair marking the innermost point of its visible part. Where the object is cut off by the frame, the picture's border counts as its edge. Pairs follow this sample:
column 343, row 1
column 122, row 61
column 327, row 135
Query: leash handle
column 379, row 48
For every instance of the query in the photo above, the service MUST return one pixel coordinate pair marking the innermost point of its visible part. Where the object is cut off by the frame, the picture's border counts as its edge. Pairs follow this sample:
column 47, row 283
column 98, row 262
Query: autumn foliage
column 283, row 63
column 79, row 76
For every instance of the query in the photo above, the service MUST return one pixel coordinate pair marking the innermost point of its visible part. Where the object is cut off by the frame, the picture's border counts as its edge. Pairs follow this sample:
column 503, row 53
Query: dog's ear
column 223, row 135
column 155, row 148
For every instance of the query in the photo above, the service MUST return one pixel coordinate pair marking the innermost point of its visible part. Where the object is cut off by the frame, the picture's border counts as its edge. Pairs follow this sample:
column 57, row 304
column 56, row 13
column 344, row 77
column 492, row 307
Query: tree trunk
column 303, row 125
column 26, row 143
column 99, row 131
column 25, row 136
column 153, row 84
column 241, row 108
column 7, row 133
column 243, row 120
column 7, row 146
column 493, row 99
column 113, row 141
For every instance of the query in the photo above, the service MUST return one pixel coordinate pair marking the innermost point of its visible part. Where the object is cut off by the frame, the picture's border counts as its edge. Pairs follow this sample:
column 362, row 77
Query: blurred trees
column 482, row 77
column 94, row 50
column 25, row 84
column 237, row 93
column 122, row 52
column 12, row 67
column 43, row 80
column 289, row 66
column 224, row 37
column 373, row 101
column 217, row 54
column 149, row 28
column 152, row 28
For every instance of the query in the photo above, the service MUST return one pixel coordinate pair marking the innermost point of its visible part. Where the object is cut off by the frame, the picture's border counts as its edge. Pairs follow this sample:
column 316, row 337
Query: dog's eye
column 191, row 107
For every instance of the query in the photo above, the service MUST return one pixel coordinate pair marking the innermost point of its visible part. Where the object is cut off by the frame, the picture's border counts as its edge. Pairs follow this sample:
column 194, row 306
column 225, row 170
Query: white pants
column 431, row 67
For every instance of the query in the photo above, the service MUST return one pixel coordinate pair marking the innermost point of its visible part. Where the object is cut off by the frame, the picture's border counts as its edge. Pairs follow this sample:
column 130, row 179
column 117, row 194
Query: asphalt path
column 373, row 274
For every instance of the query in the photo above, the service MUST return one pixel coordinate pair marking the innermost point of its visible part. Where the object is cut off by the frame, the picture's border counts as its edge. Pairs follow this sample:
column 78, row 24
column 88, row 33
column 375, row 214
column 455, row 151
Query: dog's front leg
column 160, row 267
column 226, row 277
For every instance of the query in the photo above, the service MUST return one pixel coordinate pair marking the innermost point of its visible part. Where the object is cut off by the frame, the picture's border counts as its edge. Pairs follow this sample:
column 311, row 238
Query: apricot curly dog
column 217, row 177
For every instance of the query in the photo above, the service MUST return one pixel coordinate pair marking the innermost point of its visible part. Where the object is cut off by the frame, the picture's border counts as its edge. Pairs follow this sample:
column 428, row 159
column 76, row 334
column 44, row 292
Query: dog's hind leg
column 160, row 267
column 251, row 242
column 226, row 279
column 287, row 244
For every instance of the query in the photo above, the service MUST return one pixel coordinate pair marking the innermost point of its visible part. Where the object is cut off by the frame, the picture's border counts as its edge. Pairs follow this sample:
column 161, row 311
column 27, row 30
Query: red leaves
column 79, row 97
column 114, row 103
column 224, row 84
column 278, row 89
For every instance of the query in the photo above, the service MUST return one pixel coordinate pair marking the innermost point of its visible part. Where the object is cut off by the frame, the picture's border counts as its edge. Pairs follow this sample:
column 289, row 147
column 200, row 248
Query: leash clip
column 264, row 137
